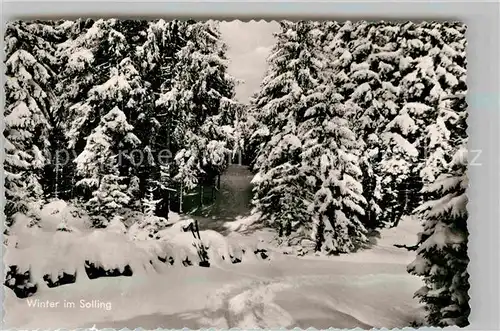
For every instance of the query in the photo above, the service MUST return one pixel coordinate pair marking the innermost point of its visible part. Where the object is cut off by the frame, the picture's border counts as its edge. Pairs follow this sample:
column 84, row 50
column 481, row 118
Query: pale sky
column 249, row 45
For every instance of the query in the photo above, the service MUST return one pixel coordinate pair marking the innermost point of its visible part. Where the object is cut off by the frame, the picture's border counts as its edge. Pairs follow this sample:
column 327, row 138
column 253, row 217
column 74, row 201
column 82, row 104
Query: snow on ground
column 384, row 251
column 367, row 289
column 243, row 224
column 46, row 252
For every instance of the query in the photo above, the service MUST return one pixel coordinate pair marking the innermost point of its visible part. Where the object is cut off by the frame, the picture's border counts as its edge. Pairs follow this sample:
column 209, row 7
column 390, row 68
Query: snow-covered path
column 320, row 293
column 366, row 289
column 275, row 303
column 294, row 293
column 232, row 201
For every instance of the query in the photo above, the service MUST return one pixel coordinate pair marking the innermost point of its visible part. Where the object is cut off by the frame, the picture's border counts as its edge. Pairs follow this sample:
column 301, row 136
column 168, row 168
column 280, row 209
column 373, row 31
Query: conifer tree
column 308, row 159
column 442, row 256
column 448, row 56
column 101, row 164
column 59, row 170
column 279, row 193
column 402, row 137
column 156, row 61
column 331, row 157
column 100, row 73
column 338, row 47
column 201, row 106
column 28, row 112
column 150, row 203
column 156, row 55
column 427, row 73
column 116, row 83
column 366, row 111
column 397, row 164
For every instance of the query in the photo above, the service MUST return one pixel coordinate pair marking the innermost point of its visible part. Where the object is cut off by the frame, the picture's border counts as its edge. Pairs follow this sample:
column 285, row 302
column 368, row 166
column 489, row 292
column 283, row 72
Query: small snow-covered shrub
column 62, row 279
column 245, row 224
column 23, row 222
column 19, row 282
column 130, row 216
column 60, row 214
column 46, row 257
column 96, row 271
column 147, row 228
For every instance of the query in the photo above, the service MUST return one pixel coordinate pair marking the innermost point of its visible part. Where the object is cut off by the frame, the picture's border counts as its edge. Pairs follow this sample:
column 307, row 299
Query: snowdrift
column 64, row 249
column 390, row 245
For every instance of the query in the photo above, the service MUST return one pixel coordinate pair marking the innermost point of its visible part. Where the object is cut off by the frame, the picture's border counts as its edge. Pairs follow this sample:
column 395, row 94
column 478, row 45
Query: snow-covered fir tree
column 442, row 246
column 156, row 61
column 201, row 106
column 116, row 83
column 398, row 162
column 359, row 78
column 331, row 157
column 59, row 172
column 99, row 74
column 307, row 185
column 101, row 164
column 149, row 202
column 384, row 60
column 401, row 159
column 28, row 111
column 279, row 193
column 448, row 57
column 362, row 103
column 156, row 55
column 424, row 79
column 424, row 59
column 279, row 89
column 363, row 64
column 337, row 46
column 442, row 254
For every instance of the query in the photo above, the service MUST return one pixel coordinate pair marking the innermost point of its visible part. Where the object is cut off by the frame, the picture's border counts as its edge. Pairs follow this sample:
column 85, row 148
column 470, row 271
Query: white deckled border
column 482, row 19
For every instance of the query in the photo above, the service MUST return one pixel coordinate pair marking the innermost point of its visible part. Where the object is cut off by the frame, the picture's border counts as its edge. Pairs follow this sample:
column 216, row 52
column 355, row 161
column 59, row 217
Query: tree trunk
column 56, row 186
column 397, row 219
column 180, row 200
column 201, row 195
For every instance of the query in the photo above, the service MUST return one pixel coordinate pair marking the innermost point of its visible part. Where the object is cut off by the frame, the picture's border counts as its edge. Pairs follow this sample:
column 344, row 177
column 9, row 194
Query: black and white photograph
column 165, row 173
